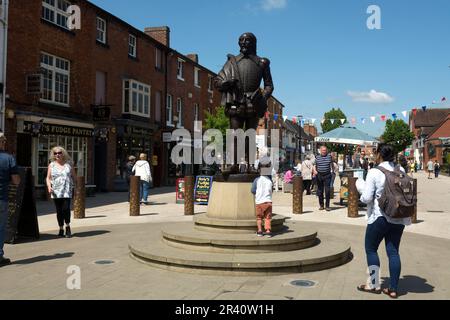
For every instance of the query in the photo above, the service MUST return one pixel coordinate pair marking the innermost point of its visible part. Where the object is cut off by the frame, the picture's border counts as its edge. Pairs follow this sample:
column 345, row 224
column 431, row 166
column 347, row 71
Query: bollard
column 189, row 183
column 414, row 217
column 297, row 196
column 79, row 205
column 135, row 196
column 353, row 198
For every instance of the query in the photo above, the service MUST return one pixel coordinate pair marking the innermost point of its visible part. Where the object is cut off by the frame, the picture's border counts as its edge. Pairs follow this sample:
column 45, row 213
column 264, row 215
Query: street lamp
column 300, row 118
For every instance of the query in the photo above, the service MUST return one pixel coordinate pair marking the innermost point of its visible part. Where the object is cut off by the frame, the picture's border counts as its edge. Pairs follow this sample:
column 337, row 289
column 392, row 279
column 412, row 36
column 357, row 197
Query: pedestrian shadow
column 157, row 204
column 419, row 221
column 148, row 214
column 93, row 217
column 412, row 284
column 44, row 258
column 90, row 233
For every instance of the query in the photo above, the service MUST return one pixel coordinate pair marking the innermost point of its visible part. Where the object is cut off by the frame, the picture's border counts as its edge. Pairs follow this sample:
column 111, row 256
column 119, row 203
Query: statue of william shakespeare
column 239, row 81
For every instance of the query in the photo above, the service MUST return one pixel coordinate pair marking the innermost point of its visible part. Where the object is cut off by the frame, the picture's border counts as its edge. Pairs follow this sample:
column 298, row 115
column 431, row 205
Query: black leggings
column 62, row 211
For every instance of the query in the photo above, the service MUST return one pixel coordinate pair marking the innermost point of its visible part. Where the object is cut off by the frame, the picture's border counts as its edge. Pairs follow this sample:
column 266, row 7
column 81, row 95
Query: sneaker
column 68, row 232
column 268, row 234
column 260, row 234
column 61, row 233
column 4, row 262
column 321, row 208
column 328, row 209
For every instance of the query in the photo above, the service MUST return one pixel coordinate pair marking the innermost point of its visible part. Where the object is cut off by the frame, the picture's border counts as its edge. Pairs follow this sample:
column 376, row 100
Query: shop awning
column 347, row 135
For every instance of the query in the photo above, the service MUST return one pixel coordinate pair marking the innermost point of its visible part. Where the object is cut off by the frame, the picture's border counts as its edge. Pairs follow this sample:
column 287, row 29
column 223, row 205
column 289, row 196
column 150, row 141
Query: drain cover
column 303, row 283
column 104, row 262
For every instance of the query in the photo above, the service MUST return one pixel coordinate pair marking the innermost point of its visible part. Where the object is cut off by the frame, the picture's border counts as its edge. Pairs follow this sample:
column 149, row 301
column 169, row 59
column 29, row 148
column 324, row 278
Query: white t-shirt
column 262, row 188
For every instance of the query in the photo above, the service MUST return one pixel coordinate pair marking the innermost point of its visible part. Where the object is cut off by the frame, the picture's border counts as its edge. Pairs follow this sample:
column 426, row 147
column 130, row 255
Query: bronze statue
column 239, row 81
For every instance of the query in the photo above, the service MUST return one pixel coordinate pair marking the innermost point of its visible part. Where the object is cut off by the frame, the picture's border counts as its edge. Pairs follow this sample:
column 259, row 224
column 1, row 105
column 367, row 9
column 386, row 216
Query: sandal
column 363, row 288
column 391, row 293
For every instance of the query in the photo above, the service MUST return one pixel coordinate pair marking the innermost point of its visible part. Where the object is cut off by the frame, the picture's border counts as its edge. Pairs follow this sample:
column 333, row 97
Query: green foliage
column 217, row 121
column 335, row 114
column 397, row 134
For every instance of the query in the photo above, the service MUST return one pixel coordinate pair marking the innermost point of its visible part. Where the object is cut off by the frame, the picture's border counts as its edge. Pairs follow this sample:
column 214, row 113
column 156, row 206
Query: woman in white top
column 142, row 170
column 60, row 180
column 380, row 226
column 307, row 174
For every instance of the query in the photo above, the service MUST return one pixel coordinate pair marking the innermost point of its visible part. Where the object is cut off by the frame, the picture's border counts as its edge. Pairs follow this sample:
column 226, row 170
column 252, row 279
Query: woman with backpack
column 383, row 217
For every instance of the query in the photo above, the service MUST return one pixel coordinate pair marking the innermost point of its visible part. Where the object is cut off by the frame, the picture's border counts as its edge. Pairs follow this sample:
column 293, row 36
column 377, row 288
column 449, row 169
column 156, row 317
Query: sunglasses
column 58, row 153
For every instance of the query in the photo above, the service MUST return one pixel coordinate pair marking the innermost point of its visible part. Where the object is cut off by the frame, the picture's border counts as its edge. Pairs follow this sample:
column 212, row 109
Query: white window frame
column 138, row 89
column 210, row 83
column 54, row 70
column 197, row 77
column 169, row 107
column 101, row 31
column 180, row 69
column 180, row 123
column 132, row 47
column 56, row 11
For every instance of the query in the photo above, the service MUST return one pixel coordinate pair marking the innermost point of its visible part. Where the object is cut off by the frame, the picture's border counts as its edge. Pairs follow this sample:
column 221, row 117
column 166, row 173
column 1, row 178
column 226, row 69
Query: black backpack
column 399, row 197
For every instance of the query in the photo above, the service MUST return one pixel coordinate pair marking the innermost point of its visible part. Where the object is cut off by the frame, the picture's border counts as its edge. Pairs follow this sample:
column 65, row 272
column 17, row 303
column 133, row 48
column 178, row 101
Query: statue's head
column 248, row 42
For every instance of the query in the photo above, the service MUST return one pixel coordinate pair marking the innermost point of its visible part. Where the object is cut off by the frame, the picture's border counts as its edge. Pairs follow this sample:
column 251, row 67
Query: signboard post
column 202, row 191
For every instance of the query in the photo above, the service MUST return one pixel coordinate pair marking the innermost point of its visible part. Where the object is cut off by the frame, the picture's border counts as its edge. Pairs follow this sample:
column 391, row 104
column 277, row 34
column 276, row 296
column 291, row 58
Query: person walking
column 262, row 188
column 430, row 167
column 334, row 174
column 437, row 169
column 8, row 173
column 380, row 225
column 322, row 171
column 307, row 173
column 364, row 163
column 61, row 180
column 412, row 168
column 142, row 170
column 129, row 172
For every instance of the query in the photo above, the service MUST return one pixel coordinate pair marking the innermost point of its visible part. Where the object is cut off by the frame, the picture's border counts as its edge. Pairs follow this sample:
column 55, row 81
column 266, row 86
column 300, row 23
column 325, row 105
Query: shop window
column 56, row 72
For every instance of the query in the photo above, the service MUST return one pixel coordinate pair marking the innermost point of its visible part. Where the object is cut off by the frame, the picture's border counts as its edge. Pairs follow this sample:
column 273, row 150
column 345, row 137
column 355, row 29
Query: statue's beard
column 248, row 51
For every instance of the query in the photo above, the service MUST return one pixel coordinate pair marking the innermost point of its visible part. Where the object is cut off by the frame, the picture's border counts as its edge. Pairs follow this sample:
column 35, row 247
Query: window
column 180, row 71
column 210, row 83
column 169, row 110
column 197, row 77
column 56, row 73
column 101, row 30
column 180, row 113
column 54, row 11
column 136, row 98
column 132, row 46
column 158, row 59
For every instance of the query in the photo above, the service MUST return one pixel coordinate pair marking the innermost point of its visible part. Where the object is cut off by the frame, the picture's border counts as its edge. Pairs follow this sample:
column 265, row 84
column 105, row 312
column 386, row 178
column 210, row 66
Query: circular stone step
column 331, row 252
column 185, row 236
column 205, row 223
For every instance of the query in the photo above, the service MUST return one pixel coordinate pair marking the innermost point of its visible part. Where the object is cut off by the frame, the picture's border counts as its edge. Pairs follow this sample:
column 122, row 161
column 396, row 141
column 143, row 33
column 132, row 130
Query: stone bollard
column 189, row 183
column 135, row 196
column 353, row 198
column 79, row 205
column 414, row 217
column 297, row 196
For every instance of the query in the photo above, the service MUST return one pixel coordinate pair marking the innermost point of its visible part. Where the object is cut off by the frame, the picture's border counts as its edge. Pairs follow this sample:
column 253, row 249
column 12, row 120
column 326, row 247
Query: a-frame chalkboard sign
column 22, row 221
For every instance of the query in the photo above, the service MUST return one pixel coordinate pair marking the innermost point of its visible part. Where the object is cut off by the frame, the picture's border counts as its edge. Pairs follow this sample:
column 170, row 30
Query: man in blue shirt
column 8, row 172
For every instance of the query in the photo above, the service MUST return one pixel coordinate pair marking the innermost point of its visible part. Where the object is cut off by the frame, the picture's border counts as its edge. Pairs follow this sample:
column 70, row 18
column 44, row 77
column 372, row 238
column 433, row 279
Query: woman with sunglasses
column 61, row 179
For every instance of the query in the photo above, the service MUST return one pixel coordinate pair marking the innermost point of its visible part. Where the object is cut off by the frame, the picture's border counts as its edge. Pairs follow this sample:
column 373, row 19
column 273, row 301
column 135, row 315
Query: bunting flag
column 285, row 118
column 322, row 121
column 405, row 113
column 302, row 122
column 373, row 119
column 332, row 121
column 342, row 121
column 414, row 112
column 275, row 117
column 383, row 118
column 394, row 116
column 444, row 99
column 424, row 108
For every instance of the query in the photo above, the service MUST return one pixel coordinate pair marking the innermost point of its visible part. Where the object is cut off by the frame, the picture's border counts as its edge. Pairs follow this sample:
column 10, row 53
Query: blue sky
column 323, row 55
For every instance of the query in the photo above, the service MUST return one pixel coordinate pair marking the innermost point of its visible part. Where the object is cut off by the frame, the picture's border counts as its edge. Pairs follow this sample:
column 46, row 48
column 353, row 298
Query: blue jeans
column 145, row 187
column 392, row 235
column 3, row 222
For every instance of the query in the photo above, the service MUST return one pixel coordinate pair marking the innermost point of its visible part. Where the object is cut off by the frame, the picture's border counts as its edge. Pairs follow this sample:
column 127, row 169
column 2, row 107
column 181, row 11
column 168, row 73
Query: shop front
column 36, row 137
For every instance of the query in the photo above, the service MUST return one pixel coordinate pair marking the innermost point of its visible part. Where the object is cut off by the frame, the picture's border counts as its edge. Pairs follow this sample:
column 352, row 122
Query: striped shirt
column 323, row 164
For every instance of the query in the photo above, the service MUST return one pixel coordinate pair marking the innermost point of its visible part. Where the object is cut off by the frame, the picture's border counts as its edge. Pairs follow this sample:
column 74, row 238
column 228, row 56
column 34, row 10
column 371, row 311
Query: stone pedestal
column 231, row 201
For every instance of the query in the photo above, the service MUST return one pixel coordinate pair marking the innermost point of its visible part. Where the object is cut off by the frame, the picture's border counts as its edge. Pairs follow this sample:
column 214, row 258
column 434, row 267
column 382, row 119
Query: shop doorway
column 100, row 168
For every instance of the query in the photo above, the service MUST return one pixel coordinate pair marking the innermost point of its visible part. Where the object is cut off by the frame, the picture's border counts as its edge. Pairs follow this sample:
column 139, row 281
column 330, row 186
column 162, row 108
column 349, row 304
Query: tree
column 398, row 135
column 217, row 121
column 335, row 114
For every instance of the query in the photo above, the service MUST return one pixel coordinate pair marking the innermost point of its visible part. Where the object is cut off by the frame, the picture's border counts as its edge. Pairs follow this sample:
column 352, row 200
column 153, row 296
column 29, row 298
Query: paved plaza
column 40, row 267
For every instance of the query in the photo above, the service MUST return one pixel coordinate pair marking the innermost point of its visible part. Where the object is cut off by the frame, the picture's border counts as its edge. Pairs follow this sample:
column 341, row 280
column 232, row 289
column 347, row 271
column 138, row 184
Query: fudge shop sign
column 59, row 130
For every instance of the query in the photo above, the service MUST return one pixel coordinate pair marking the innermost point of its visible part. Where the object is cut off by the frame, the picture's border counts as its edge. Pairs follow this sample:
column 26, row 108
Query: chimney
column 160, row 34
column 193, row 57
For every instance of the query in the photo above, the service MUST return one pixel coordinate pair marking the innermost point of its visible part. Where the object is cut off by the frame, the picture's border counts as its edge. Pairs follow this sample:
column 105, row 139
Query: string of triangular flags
column 352, row 120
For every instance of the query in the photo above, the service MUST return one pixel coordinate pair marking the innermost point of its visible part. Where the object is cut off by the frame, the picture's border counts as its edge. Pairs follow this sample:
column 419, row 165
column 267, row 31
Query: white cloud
column 370, row 97
column 269, row 5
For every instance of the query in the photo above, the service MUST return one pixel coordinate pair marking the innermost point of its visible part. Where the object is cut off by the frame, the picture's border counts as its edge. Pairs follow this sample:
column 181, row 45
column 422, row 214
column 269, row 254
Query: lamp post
column 300, row 118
